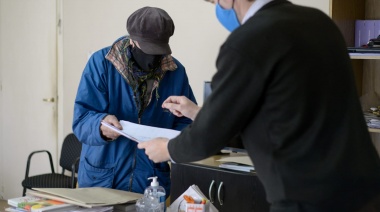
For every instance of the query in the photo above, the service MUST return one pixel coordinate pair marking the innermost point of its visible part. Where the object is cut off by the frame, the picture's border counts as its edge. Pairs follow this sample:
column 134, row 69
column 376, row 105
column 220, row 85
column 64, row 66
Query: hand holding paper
column 140, row 133
column 106, row 131
column 156, row 149
column 153, row 139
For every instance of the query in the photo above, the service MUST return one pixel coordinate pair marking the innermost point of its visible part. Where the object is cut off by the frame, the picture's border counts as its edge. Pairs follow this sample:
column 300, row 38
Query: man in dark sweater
column 285, row 84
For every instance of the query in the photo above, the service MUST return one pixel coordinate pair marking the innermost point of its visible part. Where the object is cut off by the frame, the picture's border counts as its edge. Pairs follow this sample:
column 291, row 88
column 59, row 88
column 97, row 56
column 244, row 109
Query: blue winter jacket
column 120, row 164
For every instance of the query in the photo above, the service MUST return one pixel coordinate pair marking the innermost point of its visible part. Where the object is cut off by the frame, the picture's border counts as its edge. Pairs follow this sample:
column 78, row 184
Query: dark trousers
column 371, row 205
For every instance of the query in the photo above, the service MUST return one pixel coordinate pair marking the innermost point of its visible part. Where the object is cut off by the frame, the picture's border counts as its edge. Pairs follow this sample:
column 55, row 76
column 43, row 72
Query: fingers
column 142, row 145
column 177, row 113
column 175, row 105
column 175, row 102
column 181, row 106
column 109, row 134
column 156, row 149
column 173, row 99
column 172, row 106
column 111, row 119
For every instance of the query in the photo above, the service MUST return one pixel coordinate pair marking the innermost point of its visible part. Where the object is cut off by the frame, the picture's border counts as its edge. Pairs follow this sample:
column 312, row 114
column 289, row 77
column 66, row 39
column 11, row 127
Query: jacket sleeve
column 234, row 97
column 91, row 101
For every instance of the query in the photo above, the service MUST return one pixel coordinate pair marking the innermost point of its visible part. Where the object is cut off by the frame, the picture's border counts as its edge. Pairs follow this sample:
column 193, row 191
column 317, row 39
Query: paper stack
column 237, row 167
column 372, row 120
column 238, row 163
column 87, row 197
column 39, row 204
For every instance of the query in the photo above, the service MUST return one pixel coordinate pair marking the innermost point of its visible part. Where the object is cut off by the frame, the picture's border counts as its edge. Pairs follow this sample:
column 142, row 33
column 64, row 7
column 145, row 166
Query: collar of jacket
column 117, row 56
column 142, row 87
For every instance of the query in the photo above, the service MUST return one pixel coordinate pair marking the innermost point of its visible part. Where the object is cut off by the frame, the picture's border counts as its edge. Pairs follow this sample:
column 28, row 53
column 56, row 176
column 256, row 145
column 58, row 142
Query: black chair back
column 71, row 149
column 70, row 154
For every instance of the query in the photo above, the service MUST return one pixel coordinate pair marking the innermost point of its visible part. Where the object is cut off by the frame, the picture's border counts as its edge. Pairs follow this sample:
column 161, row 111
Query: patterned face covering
column 146, row 62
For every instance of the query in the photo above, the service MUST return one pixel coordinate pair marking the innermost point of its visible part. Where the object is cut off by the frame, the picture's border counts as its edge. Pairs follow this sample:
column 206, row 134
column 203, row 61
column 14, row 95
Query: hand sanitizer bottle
column 157, row 192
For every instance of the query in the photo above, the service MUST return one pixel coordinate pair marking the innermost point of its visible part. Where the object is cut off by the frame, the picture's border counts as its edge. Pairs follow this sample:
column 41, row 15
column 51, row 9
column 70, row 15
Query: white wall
column 89, row 25
column 323, row 5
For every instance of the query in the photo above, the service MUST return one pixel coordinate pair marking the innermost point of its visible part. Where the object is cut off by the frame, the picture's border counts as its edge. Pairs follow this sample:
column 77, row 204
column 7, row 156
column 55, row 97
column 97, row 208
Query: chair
column 71, row 149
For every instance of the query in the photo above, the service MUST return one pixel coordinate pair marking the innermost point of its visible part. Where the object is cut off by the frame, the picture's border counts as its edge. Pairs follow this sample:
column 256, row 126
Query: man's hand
column 181, row 106
column 156, row 149
column 107, row 133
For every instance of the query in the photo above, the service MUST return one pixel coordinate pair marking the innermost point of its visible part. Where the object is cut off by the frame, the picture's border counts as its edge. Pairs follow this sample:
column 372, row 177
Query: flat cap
column 151, row 27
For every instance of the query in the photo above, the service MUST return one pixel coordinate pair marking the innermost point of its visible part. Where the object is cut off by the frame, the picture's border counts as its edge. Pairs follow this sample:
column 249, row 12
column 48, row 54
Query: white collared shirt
column 256, row 6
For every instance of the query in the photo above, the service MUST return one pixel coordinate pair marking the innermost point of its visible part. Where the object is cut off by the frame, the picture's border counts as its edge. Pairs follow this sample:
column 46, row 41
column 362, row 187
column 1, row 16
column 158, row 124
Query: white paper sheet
column 238, row 159
column 141, row 133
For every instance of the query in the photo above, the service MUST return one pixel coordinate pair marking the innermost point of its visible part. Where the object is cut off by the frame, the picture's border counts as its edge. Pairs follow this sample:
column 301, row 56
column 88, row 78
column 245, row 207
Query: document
column 237, row 167
column 238, row 159
column 141, row 133
column 239, row 163
column 87, row 197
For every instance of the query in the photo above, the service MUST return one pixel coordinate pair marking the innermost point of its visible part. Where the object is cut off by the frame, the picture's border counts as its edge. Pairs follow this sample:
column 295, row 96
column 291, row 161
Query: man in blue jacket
column 128, row 81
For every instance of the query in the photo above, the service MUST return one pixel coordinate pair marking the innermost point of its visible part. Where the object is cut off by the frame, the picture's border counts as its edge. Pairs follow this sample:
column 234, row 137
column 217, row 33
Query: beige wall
column 323, row 5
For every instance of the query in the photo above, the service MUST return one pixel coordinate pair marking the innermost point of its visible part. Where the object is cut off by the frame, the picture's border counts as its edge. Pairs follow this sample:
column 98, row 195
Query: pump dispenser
column 154, row 181
column 156, row 191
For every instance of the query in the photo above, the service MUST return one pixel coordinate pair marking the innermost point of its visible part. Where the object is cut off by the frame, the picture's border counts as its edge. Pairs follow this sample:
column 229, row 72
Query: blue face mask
column 227, row 18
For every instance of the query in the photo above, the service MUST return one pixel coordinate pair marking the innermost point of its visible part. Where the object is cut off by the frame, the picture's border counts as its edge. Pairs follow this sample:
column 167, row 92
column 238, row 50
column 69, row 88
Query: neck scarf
column 142, row 82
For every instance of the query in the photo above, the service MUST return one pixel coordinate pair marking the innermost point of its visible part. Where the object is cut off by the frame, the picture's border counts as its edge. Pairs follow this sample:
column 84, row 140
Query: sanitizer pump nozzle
column 154, row 181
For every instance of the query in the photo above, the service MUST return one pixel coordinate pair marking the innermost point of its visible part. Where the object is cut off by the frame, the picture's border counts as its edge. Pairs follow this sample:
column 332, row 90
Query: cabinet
column 228, row 190
column 366, row 67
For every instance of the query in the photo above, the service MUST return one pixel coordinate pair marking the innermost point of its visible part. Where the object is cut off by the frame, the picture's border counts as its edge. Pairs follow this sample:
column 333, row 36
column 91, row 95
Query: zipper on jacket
column 134, row 162
column 133, row 170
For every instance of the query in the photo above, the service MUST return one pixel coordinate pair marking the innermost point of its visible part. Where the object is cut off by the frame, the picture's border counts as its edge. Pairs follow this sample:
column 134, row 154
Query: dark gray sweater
column 285, row 83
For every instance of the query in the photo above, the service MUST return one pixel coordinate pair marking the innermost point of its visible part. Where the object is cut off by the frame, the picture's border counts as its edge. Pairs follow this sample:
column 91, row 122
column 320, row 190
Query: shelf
column 365, row 66
column 365, row 56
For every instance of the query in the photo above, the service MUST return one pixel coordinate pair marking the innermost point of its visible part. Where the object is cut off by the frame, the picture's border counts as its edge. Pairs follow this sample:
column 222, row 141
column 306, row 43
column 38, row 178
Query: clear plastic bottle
column 155, row 191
